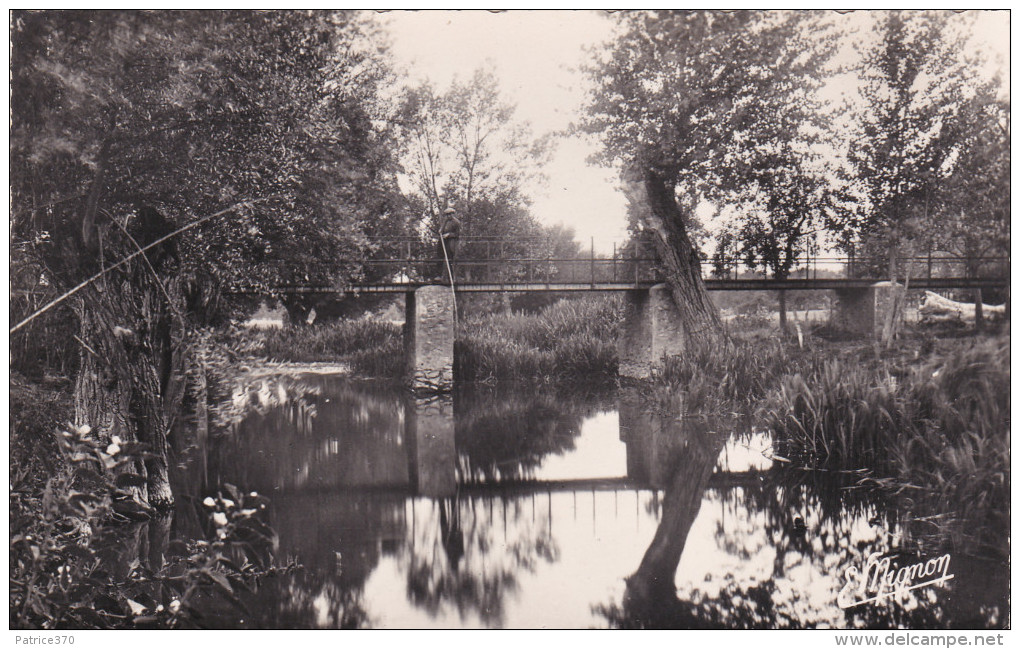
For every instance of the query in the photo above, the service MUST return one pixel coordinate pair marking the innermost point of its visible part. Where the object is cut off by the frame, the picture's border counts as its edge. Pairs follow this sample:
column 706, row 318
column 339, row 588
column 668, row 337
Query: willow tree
column 674, row 93
column 129, row 126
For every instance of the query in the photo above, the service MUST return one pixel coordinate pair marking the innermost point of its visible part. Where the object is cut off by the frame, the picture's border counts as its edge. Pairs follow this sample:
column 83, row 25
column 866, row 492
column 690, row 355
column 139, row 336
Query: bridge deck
column 486, row 265
column 718, row 481
column 711, row 284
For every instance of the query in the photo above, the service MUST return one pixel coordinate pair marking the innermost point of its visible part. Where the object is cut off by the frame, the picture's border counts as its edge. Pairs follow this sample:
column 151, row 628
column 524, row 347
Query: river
column 552, row 507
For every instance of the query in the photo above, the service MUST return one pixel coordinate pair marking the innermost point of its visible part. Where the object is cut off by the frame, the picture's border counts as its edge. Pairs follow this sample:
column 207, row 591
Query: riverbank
column 564, row 341
column 367, row 346
column 81, row 544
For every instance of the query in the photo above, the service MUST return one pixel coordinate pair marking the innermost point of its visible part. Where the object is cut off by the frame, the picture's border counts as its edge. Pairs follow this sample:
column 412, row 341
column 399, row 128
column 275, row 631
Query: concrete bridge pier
column 652, row 329
column 863, row 311
column 428, row 337
column 430, row 434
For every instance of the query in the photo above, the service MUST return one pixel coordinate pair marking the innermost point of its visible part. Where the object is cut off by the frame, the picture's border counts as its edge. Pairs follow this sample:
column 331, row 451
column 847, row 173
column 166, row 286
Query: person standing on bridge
column 449, row 234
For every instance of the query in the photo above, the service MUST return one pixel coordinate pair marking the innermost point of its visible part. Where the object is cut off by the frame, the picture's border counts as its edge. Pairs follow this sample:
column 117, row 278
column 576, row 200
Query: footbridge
column 430, row 280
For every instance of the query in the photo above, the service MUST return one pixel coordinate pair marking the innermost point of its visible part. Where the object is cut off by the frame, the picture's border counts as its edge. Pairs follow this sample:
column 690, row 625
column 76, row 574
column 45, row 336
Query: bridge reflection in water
column 531, row 509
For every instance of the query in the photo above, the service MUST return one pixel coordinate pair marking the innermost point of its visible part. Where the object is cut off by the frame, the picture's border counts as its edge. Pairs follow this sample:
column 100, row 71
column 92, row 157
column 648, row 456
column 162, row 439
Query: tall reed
column 569, row 339
column 936, row 431
column 370, row 346
column 730, row 376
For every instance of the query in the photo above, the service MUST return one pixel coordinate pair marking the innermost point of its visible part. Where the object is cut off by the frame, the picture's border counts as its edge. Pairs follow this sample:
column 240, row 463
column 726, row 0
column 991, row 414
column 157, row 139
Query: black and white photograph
column 682, row 319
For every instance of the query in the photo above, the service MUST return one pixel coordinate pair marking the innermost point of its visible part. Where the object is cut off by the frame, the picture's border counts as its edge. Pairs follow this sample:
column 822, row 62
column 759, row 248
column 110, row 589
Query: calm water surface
column 548, row 508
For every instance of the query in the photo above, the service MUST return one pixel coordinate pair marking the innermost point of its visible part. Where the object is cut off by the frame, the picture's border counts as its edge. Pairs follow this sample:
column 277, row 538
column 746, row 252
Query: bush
column 59, row 577
column 47, row 346
column 733, row 375
column 35, row 412
column 370, row 346
column 570, row 339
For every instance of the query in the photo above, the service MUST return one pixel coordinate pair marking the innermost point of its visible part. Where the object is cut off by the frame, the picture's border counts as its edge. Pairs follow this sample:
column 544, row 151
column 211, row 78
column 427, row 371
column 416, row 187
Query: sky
column 537, row 56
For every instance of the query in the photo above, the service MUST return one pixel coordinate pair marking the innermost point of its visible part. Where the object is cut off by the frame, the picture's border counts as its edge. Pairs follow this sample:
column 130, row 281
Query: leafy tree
column 674, row 91
column 466, row 147
column 773, row 229
column 127, row 126
column 919, row 99
column 974, row 209
column 897, row 154
column 776, row 168
column 974, row 202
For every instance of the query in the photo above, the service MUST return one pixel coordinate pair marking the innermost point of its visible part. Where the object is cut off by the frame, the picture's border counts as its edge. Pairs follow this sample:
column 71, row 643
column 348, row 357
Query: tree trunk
column 654, row 199
column 126, row 385
column 693, row 464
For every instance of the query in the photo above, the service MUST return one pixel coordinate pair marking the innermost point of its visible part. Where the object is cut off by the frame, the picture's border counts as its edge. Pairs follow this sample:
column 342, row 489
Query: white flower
column 209, row 502
column 254, row 494
column 112, row 449
column 116, row 440
column 247, row 512
column 221, row 533
column 84, row 430
column 175, row 606
column 219, row 518
column 228, row 503
column 159, row 608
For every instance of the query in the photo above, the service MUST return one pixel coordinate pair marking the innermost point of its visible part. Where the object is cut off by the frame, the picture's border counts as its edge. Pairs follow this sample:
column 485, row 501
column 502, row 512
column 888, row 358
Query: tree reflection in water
column 473, row 560
column 790, row 537
column 471, row 555
column 409, row 513
column 505, row 434
column 339, row 460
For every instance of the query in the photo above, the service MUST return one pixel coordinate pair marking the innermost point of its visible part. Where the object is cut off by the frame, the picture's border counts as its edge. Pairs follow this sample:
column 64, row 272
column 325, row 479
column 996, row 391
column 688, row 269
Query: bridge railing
column 502, row 261
column 523, row 260
column 935, row 266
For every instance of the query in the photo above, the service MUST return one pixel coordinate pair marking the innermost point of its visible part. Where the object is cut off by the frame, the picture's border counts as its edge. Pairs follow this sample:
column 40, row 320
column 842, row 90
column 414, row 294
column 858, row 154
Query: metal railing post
column 489, row 260
column 634, row 260
column 548, row 267
column 593, row 262
column 614, row 262
column 410, row 269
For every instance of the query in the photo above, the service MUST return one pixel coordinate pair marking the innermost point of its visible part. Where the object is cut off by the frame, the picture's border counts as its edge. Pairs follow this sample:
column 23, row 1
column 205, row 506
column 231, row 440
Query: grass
column 568, row 340
column 935, row 430
column 927, row 420
column 371, row 347
column 728, row 377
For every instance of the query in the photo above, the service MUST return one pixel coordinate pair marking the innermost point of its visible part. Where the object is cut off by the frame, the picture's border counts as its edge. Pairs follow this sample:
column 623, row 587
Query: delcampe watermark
column 880, row 579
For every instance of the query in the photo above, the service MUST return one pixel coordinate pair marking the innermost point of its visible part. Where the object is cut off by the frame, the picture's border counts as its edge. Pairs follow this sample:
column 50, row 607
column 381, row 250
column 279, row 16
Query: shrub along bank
column 371, row 347
column 75, row 559
column 569, row 340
